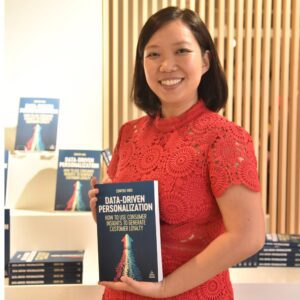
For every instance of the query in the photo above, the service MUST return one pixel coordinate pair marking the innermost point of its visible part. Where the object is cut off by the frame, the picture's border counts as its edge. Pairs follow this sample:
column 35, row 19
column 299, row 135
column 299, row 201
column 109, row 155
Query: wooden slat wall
column 258, row 45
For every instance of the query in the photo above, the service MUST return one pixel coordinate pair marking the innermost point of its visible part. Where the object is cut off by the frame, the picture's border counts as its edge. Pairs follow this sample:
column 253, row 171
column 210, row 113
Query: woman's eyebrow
column 173, row 44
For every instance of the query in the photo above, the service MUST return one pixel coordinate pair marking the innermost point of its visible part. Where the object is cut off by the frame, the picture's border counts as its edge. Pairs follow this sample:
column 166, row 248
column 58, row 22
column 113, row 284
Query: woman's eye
column 152, row 54
column 183, row 51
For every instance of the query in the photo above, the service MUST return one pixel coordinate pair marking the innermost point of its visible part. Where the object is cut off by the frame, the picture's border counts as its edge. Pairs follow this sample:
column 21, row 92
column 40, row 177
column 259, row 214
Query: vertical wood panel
column 135, row 32
column 221, row 25
column 275, row 69
column 264, row 131
column 247, row 65
column 261, row 62
column 115, row 68
column 283, row 105
column 293, row 199
column 201, row 11
column 238, row 65
column 256, row 75
column 211, row 18
column 229, row 58
column 105, row 72
column 125, row 62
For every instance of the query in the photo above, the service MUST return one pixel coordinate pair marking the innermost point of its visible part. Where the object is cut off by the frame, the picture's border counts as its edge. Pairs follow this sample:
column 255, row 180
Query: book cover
column 6, row 240
column 128, row 231
column 106, row 154
column 37, row 124
column 55, row 258
column 6, row 156
column 74, row 171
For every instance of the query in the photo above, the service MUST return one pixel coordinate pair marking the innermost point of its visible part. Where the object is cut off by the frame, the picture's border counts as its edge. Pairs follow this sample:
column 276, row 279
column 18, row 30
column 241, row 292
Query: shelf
column 265, row 283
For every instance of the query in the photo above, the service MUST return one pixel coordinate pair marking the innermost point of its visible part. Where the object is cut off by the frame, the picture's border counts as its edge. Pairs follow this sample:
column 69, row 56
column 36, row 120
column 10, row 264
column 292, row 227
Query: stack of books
column 280, row 250
column 250, row 262
column 46, row 267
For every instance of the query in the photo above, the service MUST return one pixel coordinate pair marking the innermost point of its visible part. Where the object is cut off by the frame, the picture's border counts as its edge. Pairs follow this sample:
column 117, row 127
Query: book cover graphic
column 74, row 171
column 6, row 240
column 129, row 231
column 37, row 124
column 43, row 258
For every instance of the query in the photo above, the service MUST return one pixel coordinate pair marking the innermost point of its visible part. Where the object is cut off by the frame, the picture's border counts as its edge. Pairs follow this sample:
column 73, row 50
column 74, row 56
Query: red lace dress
column 195, row 157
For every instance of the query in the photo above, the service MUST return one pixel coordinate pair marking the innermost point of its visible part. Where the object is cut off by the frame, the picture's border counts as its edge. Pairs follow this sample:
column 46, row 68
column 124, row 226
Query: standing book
column 37, row 124
column 74, row 171
column 128, row 230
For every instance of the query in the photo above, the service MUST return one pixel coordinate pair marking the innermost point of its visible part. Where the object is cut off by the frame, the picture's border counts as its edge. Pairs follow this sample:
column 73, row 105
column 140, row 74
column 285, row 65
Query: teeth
column 170, row 81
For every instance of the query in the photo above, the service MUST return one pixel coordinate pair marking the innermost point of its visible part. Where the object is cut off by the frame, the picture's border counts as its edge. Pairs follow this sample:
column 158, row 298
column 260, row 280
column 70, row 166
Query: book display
column 74, row 170
column 37, row 124
column 46, row 267
column 279, row 250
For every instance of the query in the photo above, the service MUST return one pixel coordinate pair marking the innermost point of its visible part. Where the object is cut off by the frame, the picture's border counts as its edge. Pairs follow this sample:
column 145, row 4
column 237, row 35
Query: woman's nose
column 168, row 65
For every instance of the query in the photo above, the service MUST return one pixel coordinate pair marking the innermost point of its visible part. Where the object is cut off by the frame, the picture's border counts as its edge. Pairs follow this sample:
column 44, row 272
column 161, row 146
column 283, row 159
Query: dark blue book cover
column 6, row 155
column 52, row 258
column 6, row 240
column 128, row 231
column 106, row 154
column 37, row 124
column 74, row 171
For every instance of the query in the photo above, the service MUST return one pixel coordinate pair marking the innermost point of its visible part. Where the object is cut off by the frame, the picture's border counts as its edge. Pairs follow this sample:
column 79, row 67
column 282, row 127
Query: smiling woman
column 174, row 65
column 210, row 207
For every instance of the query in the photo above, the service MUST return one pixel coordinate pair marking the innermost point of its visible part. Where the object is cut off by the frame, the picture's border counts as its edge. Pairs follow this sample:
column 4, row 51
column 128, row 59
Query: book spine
column 46, row 265
column 39, row 281
column 43, row 270
column 47, row 276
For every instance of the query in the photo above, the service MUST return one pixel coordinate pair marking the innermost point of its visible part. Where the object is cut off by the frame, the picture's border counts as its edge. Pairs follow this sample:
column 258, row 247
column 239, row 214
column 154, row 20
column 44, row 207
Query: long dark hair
column 213, row 87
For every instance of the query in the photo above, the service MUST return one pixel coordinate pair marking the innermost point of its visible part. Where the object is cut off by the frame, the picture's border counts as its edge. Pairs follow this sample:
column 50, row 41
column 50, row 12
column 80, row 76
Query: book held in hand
column 128, row 231
column 74, row 171
column 37, row 124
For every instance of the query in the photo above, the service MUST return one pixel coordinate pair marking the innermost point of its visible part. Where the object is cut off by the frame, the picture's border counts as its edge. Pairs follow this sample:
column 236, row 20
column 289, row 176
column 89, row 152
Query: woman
column 210, row 205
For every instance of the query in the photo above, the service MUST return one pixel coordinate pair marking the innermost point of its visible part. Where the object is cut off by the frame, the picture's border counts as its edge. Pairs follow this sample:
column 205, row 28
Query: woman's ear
column 205, row 62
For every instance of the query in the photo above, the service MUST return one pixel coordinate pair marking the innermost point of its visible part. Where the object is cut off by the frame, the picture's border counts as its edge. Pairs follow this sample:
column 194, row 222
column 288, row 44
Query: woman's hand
column 142, row 288
column 92, row 194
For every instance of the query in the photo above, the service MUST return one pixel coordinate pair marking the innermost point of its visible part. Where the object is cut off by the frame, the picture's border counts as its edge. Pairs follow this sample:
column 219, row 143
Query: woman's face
column 174, row 65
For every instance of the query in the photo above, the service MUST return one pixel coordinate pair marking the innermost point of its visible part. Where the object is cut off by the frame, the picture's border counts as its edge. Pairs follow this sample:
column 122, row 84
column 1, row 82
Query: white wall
column 52, row 48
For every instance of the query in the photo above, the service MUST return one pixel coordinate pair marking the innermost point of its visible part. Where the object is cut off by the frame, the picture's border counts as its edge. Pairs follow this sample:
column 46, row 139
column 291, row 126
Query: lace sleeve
column 231, row 160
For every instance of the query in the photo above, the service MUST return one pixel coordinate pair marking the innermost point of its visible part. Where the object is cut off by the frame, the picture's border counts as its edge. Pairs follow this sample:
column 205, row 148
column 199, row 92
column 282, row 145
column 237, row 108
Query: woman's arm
column 243, row 217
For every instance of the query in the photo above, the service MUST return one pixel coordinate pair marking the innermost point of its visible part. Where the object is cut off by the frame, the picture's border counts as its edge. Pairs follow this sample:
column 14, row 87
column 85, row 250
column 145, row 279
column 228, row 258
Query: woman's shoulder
column 220, row 127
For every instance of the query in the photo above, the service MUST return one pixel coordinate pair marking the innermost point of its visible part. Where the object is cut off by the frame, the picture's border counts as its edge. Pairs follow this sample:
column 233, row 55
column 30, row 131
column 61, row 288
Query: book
column 6, row 240
column 44, row 281
column 6, row 157
column 250, row 262
column 106, row 154
column 44, row 270
column 37, row 124
column 128, row 231
column 43, row 259
column 47, row 276
column 278, row 240
column 74, row 171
